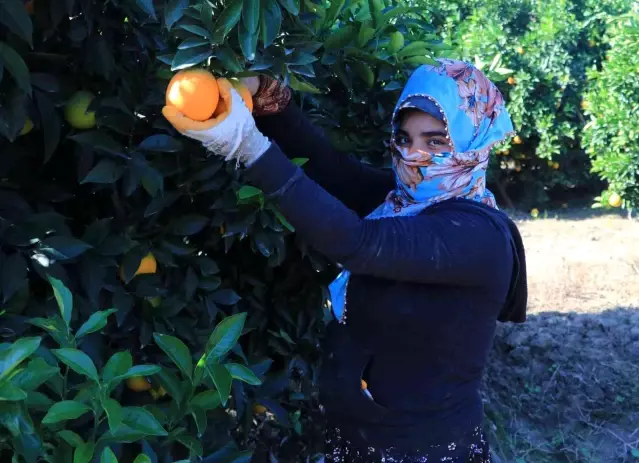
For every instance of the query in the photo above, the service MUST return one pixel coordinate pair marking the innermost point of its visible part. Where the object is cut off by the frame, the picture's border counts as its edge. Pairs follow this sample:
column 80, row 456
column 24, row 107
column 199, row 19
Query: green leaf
column 101, row 141
column 55, row 327
column 177, row 352
column 222, row 380
column 14, row 275
column 17, row 352
column 207, row 400
column 227, row 20
column 299, row 161
column 242, row 373
column 174, row 11
column 71, row 438
column 108, row 456
column 84, row 453
column 36, row 373
column 117, row 365
column 301, row 86
column 51, row 125
column 226, row 297
column 38, row 401
column 14, row 15
column 248, row 191
column 333, row 11
column 189, row 225
column 96, row 322
column 142, row 458
column 189, row 57
column 139, row 419
column 64, row 298
column 340, row 38
column 199, row 416
column 65, row 410
column 251, row 15
column 147, row 7
column 228, row 59
column 63, row 247
column 225, row 336
column 10, row 393
column 114, row 413
column 192, row 42
column 271, row 21
column 105, row 171
column 248, row 41
column 292, row 6
column 197, row 30
column 14, row 63
column 138, row 370
column 161, row 143
column 78, row 361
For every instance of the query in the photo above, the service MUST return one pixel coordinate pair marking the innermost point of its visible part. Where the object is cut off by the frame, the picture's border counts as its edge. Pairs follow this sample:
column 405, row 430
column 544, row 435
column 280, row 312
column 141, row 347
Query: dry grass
column 581, row 261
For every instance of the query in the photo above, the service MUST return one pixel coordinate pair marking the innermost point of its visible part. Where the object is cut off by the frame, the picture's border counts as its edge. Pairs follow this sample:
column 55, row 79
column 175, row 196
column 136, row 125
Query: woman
column 429, row 262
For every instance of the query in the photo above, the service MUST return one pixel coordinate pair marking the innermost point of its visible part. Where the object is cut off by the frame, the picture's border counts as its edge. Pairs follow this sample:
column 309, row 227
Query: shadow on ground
column 564, row 387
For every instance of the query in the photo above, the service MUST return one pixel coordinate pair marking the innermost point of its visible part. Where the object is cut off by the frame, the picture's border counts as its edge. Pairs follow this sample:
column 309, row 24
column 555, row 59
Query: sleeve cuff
column 272, row 172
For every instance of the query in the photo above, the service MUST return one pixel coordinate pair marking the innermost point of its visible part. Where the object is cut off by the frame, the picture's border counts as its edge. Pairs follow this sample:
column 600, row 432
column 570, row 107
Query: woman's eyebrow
column 434, row 133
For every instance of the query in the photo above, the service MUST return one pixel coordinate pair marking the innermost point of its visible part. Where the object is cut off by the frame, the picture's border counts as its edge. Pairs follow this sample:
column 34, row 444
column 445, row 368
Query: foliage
column 611, row 136
column 549, row 47
column 83, row 202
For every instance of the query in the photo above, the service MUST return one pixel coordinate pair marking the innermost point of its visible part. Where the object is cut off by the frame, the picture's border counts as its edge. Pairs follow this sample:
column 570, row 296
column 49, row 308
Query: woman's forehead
column 415, row 120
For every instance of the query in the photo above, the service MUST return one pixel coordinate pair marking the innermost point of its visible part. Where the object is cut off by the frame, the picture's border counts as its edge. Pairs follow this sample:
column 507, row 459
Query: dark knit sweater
column 424, row 297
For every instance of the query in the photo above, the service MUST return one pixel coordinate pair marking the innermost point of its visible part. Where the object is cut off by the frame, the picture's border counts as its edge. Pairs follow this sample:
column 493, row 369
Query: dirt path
column 564, row 386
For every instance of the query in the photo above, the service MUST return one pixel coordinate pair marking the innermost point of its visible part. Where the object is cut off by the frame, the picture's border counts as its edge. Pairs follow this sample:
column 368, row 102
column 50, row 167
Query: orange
column 194, row 93
column 615, row 200
column 517, row 140
column 364, row 385
column 138, row 383
column 148, row 264
column 244, row 92
column 259, row 409
column 512, row 81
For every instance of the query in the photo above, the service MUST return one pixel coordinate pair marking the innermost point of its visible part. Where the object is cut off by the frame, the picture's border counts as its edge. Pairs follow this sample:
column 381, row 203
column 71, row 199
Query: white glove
column 231, row 135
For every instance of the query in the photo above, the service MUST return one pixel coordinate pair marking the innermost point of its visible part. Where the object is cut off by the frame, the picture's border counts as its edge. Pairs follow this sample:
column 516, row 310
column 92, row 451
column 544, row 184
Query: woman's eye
column 401, row 140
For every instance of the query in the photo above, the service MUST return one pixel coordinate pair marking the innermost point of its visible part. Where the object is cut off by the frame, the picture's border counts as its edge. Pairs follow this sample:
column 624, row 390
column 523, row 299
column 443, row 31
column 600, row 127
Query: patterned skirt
column 471, row 448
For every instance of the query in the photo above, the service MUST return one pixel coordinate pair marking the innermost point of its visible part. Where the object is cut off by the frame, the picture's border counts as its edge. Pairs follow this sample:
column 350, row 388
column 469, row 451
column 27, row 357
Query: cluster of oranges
column 196, row 94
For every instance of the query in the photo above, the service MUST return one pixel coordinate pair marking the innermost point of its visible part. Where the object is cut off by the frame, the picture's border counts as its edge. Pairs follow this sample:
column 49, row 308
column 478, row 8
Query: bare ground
column 564, row 386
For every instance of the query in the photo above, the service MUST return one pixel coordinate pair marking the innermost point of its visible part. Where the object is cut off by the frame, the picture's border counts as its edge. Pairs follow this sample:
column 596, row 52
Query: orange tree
column 152, row 303
column 548, row 47
column 611, row 137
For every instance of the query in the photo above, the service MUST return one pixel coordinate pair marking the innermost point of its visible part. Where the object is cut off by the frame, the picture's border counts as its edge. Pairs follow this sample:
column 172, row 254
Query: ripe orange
column 148, row 264
column 259, row 409
column 244, row 92
column 517, row 140
column 138, row 383
column 511, row 81
column 364, row 385
column 194, row 92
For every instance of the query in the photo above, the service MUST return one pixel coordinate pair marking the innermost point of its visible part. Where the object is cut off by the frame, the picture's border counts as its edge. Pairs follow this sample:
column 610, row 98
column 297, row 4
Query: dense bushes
column 149, row 244
column 611, row 136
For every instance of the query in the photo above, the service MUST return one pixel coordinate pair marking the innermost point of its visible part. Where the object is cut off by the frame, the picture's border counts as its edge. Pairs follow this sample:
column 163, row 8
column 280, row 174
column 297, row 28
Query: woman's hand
column 231, row 135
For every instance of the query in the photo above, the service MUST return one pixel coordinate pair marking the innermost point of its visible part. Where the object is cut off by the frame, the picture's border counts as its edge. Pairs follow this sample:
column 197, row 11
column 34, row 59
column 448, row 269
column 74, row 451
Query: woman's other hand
column 231, row 134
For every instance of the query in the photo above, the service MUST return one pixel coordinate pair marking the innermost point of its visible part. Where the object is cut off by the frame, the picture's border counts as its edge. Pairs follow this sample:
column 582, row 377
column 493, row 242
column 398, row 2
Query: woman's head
column 444, row 125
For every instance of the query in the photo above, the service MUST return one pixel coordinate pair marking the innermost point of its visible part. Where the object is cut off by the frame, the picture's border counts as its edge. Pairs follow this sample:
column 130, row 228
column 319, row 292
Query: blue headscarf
column 476, row 119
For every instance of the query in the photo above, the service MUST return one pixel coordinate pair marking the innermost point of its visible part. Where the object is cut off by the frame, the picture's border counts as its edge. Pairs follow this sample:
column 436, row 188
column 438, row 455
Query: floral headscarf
column 473, row 110
column 476, row 119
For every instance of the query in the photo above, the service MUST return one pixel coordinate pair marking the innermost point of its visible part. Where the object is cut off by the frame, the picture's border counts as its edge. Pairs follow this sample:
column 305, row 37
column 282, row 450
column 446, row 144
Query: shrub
column 611, row 136
column 160, row 249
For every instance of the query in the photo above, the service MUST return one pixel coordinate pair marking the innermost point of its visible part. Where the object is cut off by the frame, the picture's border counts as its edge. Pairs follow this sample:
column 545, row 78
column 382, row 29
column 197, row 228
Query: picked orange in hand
column 194, row 93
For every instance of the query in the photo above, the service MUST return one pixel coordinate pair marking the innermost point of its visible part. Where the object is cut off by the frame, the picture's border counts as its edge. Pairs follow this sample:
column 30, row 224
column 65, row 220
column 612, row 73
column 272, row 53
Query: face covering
column 472, row 108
